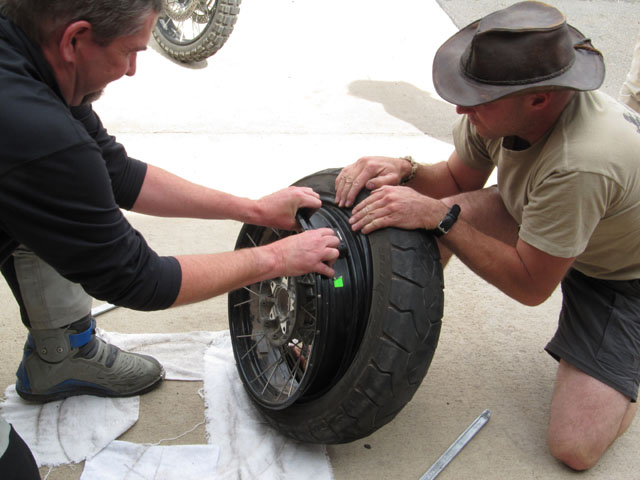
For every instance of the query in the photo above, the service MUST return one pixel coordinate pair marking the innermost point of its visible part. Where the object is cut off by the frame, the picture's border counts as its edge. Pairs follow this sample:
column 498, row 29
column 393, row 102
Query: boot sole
column 85, row 390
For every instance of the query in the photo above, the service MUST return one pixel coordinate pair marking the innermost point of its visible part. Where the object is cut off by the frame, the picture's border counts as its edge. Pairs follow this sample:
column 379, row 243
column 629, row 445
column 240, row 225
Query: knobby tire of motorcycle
column 210, row 41
column 397, row 346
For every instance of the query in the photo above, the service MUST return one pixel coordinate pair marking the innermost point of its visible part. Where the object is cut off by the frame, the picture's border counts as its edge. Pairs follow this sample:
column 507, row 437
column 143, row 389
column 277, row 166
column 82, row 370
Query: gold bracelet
column 414, row 169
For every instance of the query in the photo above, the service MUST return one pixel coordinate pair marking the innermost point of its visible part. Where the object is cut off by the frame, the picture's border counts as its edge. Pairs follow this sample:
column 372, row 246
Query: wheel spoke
column 290, row 379
column 277, row 232
column 254, row 346
column 251, row 291
column 275, row 367
column 253, row 242
column 242, row 303
column 189, row 20
column 251, row 335
column 261, row 372
column 309, row 314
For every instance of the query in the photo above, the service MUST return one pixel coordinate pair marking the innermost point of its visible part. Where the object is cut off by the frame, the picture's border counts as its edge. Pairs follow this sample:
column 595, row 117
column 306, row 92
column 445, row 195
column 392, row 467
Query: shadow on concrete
column 409, row 104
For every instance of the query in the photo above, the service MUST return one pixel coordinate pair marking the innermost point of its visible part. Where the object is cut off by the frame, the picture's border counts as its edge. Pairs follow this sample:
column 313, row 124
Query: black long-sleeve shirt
column 63, row 180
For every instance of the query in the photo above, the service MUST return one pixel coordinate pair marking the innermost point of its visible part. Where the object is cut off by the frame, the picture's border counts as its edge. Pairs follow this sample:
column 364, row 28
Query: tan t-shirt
column 575, row 192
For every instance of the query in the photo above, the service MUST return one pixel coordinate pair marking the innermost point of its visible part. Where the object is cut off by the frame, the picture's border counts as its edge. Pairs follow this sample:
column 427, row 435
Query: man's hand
column 370, row 173
column 278, row 210
column 400, row 207
column 310, row 251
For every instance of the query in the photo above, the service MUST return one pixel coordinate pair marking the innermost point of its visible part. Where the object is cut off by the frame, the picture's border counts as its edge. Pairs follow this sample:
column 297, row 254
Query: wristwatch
column 447, row 222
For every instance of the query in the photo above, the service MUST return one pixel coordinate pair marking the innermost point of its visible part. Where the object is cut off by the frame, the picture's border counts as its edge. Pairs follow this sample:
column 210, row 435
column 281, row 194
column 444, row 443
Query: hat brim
column 587, row 73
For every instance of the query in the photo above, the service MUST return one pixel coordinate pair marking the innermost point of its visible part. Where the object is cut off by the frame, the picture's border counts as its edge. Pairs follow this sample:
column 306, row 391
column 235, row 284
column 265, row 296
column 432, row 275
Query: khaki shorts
column 599, row 330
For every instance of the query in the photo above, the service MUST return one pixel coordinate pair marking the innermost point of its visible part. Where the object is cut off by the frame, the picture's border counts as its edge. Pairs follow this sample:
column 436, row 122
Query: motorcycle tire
column 192, row 30
column 367, row 345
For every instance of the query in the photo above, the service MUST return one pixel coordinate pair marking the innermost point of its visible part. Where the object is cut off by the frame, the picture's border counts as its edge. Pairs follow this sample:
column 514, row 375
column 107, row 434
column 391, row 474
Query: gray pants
column 5, row 429
column 47, row 299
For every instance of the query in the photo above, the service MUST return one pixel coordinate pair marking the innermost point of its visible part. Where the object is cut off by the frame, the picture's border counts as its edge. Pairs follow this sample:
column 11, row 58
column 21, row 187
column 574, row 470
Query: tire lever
column 342, row 246
column 456, row 446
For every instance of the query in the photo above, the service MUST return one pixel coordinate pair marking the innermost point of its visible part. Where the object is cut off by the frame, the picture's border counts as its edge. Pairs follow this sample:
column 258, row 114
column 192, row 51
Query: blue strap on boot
column 77, row 340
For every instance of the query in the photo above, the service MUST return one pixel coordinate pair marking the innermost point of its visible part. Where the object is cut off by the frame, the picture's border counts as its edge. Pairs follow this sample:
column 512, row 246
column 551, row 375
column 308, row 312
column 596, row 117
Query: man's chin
column 92, row 97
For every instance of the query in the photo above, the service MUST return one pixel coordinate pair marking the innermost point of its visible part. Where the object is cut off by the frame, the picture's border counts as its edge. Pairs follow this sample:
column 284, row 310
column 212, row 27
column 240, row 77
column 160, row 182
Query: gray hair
column 109, row 19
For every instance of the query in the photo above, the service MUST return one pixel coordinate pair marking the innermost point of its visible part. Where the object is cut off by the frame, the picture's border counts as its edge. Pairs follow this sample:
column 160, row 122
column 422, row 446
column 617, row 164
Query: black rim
column 184, row 21
column 294, row 337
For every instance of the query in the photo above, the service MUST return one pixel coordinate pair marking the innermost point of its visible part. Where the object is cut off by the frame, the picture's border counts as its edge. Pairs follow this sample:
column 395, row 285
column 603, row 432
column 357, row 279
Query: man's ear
column 539, row 99
column 72, row 38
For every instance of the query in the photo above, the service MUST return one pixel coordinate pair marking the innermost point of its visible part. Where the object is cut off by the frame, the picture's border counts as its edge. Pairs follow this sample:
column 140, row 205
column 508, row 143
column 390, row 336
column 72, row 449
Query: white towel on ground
column 249, row 447
column 125, row 460
column 70, row 430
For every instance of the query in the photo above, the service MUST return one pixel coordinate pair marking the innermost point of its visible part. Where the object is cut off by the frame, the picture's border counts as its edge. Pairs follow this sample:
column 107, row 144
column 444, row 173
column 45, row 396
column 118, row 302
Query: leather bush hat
column 528, row 45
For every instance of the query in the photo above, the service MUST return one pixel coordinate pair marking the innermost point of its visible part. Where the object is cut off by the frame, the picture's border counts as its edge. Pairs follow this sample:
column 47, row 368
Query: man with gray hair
column 63, row 181
column 566, row 209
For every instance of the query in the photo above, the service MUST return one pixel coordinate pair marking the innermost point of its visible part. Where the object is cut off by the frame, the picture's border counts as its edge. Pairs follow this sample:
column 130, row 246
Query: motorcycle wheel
column 332, row 360
column 193, row 30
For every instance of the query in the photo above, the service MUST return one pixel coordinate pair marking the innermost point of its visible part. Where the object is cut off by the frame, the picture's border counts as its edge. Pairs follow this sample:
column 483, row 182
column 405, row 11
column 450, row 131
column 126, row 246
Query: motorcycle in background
column 192, row 30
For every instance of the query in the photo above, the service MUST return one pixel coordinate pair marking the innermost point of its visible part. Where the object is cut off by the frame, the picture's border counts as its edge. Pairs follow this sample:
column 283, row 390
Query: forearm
column 435, row 181
column 164, row 194
column 446, row 179
column 502, row 265
column 207, row 276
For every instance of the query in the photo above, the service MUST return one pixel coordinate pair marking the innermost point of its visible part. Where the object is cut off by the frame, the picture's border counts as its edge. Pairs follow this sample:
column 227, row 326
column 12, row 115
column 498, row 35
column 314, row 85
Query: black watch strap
column 447, row 222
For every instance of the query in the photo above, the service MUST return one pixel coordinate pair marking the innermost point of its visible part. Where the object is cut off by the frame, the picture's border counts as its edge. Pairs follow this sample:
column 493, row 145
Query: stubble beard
column 92, row 97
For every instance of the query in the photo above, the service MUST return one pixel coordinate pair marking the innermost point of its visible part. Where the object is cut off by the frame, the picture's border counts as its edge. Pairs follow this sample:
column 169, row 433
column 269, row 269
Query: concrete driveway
column 301, row 86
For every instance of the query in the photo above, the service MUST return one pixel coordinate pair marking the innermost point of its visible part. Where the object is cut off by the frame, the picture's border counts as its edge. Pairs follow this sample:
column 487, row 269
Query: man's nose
column 132, row 66
column 463, row 110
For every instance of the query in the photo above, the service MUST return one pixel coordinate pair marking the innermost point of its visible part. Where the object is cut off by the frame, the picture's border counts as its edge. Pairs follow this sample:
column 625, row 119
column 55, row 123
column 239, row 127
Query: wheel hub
column 278, row 311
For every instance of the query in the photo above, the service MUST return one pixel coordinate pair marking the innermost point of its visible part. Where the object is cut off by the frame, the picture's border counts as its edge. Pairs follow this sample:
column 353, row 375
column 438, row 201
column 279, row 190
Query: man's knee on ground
column 576, row 453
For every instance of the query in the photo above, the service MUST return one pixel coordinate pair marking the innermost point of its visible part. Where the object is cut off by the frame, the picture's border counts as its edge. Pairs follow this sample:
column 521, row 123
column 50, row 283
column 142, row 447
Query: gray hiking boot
column 64, row 362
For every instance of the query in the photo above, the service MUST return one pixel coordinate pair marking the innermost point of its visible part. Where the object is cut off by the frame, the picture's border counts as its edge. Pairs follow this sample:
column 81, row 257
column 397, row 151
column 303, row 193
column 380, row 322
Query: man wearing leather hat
column 565, row 211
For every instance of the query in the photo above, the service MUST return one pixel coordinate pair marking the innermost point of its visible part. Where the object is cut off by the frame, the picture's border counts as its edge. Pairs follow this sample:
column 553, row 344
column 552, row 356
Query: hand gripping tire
column 193, row 30
column 332, row 360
